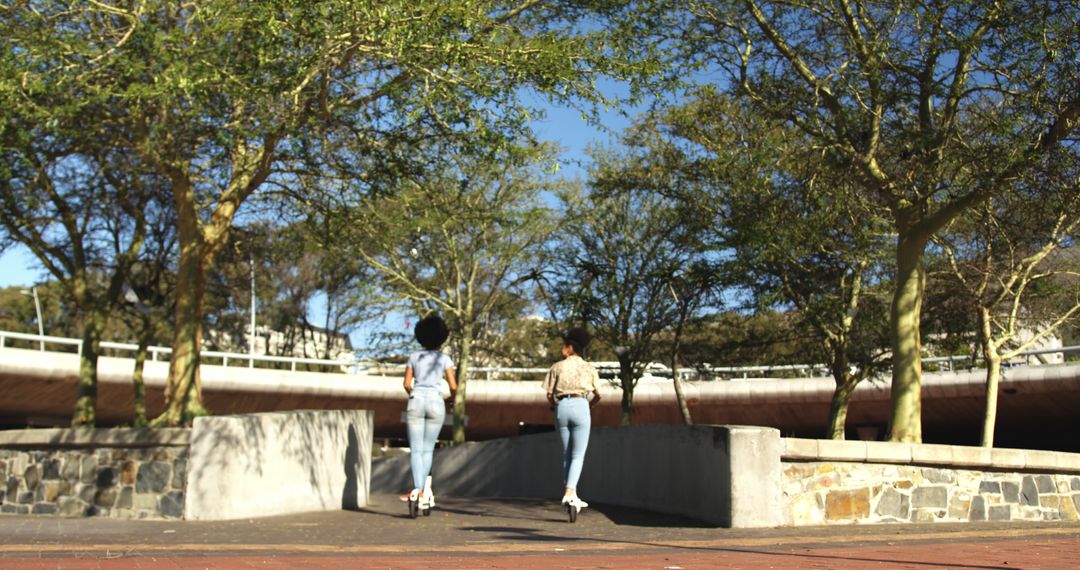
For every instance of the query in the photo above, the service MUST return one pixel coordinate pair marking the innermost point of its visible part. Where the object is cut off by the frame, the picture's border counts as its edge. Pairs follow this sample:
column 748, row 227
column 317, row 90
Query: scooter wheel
column 414, row 509
column 427, row 512
column 571, row 512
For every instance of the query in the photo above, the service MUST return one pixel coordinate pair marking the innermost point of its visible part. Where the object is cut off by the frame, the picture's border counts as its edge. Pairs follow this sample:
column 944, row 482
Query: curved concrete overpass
column 1038, row 404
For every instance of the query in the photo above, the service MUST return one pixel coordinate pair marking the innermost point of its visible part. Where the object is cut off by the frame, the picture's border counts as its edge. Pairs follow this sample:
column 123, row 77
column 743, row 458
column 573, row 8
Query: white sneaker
column 428, row 499
column 573, row 500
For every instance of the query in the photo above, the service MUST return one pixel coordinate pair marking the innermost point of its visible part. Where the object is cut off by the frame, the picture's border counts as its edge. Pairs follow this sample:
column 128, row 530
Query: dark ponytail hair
column 577, row 338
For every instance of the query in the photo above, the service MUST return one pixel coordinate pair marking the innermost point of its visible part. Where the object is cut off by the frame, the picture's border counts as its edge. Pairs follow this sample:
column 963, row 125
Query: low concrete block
column 726, row 475
column 967, row 456
column 1008, row 458
column 888, row 452
column 932, row 454
column 796, row 448
column 841, row 450
column 276, row 463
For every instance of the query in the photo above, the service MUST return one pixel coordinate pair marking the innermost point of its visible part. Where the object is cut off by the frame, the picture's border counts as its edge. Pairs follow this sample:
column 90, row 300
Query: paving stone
column 894, row 504
column 72, row 507
column 106, row 497
column 993, row 487
column 1074, row 483
column 925, row 515
column 88, row 467
column 87, row 492
column 960, row 506
column 930, row 497
column 1000, row 513
column 977, row 509
column 108, row 476
column 1045, row 484
column 179, row 479
column 1011, row 491
column 50, row 491
column 127, row 498
column 153, row 477
column 45, row 509
column 146, row 501
column 32, row 476
column 1068, row 509
column 13, row 484
column 127, row 472
column 50, row 468
column 939, row 476
column 1029, row 492
column 70, row 469
column 171, row 504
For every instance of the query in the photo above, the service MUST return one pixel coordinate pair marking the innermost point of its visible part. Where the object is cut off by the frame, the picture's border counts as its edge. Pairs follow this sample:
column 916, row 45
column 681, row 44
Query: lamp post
column 37, row 307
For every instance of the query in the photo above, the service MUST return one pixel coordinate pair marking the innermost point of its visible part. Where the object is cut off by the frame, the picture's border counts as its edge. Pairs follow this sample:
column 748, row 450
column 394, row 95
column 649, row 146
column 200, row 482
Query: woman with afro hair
column 424, row 376
column 572, row 387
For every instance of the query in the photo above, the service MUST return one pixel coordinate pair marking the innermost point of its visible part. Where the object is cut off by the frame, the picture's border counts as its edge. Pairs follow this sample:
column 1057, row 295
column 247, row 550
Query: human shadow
column 349, row 493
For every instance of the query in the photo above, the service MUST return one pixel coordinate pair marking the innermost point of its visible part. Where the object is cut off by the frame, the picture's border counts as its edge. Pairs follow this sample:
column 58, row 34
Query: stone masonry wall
column 116, row 483
column 817, row 493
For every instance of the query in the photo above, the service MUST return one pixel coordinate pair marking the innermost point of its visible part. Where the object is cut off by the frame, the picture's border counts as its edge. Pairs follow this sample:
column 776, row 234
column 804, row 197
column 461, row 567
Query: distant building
column 299, row 342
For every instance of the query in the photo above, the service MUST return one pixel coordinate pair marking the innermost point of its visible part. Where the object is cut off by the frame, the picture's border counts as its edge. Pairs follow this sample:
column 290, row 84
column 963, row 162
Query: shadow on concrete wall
column 265, row 458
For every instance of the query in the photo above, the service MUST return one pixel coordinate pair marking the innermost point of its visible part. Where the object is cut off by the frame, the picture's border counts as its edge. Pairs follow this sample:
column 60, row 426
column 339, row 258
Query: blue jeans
column 573, row 421
column 423, row 420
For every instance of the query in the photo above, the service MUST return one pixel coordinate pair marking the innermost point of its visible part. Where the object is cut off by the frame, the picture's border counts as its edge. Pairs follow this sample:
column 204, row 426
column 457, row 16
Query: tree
column 785, row 230
column 81, row 210
column 148, row 307
column 218, row 96
column 457, row 241
column 690, row 289
column 628, row 243
column 928, row 109
column 1003, row 258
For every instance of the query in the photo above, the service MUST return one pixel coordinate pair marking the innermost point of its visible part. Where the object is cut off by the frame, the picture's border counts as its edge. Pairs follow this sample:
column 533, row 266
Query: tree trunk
column 626, row 379
column 86, row 389
column 845, row 387
column 183, row 394
column 680, row 398
column 906, row 418
column 138, row 386
column 838, row 407
column 462, row 381
column 993, row 377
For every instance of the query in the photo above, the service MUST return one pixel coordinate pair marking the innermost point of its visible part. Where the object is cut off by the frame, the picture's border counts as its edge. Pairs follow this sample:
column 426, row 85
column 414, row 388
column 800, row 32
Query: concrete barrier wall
column 847, row 482
column 278, row 463
column 118, row 473
column 724, row 475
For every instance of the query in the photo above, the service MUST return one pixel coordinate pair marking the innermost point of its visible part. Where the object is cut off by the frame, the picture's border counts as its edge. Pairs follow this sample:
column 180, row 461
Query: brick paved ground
column 522, row 535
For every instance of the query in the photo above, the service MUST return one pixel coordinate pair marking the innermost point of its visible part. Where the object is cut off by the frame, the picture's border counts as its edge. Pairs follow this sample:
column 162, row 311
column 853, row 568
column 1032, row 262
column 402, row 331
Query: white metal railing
column 355, row 366
column 161, row 352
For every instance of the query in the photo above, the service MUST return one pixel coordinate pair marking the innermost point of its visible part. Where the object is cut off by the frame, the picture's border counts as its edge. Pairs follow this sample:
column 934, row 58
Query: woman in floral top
column 572, row 388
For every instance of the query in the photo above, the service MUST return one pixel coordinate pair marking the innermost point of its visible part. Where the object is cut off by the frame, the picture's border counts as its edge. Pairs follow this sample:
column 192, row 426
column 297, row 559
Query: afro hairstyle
column 431, row 332
column 577, row 338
